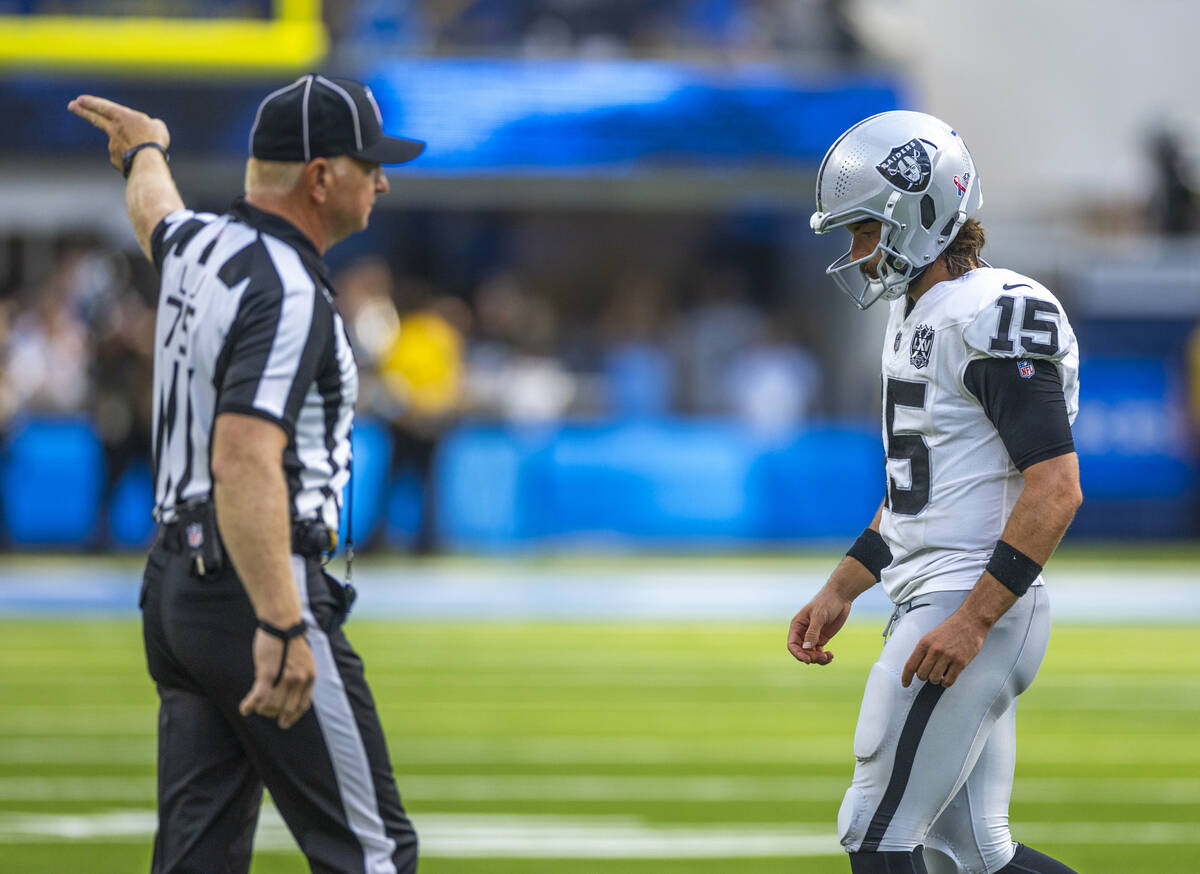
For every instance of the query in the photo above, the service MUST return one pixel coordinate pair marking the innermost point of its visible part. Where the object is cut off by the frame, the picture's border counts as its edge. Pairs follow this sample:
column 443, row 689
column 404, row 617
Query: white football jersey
column 950, row 482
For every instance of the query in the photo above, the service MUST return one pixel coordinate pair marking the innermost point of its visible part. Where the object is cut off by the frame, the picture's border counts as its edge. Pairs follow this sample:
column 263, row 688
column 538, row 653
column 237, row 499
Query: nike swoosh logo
column 1017, row 285
column 917, row 606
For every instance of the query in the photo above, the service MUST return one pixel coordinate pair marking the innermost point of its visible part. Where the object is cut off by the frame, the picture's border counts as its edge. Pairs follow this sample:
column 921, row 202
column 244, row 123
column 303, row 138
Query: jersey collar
column 279, row 227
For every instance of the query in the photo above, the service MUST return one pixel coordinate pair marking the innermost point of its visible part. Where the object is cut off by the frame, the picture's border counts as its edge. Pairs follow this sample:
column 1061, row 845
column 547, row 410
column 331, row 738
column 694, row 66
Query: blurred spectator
column 707, row 338
column 47, row 361
column 773, row 384
column 592, row 28
column 122, row 367
column 1175, row 206
column 410, row 345
column 395, row 26
column 513, row 372
column 365, row 299
column 639, row 375
column 82, row 342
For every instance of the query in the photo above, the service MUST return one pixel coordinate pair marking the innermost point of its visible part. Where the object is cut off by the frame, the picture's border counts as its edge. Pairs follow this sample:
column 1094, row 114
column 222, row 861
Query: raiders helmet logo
column 922, row 344
column 907, row 166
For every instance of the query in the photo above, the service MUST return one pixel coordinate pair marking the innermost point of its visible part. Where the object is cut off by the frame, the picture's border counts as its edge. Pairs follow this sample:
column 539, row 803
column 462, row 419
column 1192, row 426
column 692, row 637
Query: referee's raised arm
column 137, row 146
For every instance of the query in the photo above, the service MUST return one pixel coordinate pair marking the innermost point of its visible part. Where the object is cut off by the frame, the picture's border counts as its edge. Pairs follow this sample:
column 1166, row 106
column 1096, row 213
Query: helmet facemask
column 894, row 272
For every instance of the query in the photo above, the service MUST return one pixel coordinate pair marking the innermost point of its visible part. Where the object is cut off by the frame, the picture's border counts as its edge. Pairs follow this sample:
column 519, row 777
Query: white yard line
column 1083, row 748
column 560, row 837
column 651, row 591
column 581, row 788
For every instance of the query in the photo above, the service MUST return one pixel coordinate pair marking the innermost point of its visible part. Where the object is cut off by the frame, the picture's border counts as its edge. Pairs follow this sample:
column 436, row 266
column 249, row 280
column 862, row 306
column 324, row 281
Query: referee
column 254, row 390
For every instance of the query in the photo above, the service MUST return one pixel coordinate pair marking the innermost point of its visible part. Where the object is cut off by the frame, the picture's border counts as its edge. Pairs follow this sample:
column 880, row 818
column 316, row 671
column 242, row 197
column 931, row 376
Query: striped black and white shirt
column 246, row 324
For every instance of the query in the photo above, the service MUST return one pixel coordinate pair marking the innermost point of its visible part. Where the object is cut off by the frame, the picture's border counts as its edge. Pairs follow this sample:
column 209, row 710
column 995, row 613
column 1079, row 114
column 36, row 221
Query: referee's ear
column 317, row 179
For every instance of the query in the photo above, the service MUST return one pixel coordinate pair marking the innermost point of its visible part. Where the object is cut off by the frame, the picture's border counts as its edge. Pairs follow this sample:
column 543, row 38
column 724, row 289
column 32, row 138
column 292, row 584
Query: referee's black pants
column 329, row 774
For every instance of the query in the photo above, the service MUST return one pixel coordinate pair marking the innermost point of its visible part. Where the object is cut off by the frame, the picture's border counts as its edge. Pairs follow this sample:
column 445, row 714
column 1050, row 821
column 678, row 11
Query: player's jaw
column 864, row 241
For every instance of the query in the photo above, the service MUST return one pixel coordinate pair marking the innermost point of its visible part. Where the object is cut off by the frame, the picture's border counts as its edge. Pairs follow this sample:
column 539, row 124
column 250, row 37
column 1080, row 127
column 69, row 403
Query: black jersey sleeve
column 1024, row 399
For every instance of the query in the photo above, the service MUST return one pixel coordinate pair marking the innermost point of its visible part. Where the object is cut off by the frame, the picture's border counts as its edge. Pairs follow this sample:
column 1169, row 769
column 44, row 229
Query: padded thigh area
column 876, row 718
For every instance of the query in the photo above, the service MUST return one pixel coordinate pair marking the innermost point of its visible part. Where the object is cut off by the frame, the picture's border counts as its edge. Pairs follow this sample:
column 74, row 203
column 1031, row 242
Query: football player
column 980, row 388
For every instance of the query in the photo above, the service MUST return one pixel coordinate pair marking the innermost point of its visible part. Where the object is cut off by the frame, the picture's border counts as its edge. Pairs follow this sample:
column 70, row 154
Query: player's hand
column 942, row 654
column 288, row 701
column 815, row 624
column 125, row 127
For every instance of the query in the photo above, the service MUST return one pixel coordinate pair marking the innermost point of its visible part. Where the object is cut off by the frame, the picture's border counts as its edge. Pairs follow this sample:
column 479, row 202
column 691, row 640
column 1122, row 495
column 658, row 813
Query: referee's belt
column 309, row 537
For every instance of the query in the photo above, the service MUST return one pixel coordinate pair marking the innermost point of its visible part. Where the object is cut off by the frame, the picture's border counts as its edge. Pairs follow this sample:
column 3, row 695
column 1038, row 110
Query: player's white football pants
column 935, row 765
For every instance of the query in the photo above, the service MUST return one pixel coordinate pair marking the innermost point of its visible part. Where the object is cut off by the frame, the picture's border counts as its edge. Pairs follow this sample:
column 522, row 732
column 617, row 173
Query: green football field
column 540, row 747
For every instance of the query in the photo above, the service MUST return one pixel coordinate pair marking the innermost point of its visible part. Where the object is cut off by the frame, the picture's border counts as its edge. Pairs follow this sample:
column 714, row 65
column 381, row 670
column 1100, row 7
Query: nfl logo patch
column 195, row 535
column 1025, row 368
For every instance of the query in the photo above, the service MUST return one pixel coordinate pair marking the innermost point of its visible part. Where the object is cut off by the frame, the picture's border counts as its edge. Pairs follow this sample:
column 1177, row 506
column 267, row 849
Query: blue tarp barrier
column 666, row 482
column 634, row 482
column 51, row 479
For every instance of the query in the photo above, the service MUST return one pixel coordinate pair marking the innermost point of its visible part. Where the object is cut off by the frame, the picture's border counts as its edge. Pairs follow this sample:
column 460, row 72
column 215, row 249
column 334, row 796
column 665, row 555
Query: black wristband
column 871, row 551
column 130, row 154
column 1013, row 568
column 287, row 635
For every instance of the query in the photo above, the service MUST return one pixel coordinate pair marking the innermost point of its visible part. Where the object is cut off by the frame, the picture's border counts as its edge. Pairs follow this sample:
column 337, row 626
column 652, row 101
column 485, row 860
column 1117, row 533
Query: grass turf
column 643, row 729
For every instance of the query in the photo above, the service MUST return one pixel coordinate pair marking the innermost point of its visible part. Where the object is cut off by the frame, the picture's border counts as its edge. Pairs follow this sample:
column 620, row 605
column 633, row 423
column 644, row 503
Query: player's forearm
column 1045, row 508
column 150, row 194
column 252, row 513
column 851, row 578
column 1037, row 524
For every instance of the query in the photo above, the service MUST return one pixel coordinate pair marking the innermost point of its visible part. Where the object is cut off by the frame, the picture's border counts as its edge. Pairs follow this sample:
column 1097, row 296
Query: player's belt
column 901, row 610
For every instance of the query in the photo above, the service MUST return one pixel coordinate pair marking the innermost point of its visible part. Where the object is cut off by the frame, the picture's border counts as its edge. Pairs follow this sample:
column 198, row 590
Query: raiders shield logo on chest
column 922, row 346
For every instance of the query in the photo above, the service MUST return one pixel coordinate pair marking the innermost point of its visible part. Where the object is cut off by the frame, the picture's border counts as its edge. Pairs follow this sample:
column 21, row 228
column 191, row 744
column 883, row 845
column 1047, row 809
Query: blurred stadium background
column 615, row 422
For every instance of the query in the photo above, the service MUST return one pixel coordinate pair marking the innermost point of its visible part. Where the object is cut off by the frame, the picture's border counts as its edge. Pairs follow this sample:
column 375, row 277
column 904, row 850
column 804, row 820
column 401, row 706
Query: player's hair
column 963, row 252
column 272, row 177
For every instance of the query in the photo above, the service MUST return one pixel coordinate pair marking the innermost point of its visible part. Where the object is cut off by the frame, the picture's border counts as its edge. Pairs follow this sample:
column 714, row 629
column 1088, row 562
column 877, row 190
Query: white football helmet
column 911, row 173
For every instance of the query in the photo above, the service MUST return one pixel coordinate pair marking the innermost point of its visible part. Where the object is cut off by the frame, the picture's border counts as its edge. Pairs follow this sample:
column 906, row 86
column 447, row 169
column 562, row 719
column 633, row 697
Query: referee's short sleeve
column 278, row 344
column 174, row 231
column 281, row 337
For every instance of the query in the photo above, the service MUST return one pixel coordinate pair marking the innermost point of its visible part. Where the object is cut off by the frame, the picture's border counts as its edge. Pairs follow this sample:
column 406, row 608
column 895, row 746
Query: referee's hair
column 272, row 177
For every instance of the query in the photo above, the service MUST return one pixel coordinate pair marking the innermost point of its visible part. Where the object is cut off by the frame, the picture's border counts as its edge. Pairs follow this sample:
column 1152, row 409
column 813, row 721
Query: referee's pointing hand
column 291, row 698
column 125, row 127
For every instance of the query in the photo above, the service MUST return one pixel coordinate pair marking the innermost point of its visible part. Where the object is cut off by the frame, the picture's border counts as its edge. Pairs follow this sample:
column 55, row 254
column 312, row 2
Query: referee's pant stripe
column 351, row 768
column 906, row 753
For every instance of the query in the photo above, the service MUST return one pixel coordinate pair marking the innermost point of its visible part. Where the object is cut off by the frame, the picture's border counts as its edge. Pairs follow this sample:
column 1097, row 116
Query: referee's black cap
column 317, row 117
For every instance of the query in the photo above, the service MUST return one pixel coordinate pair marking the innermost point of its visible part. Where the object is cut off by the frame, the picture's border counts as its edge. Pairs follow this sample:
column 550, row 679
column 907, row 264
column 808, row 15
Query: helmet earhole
column 928, row 214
